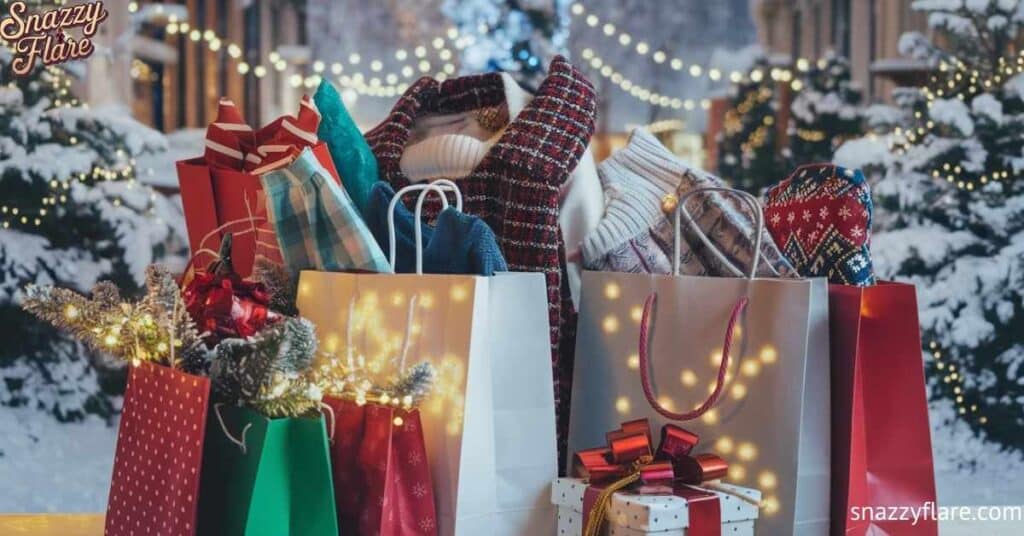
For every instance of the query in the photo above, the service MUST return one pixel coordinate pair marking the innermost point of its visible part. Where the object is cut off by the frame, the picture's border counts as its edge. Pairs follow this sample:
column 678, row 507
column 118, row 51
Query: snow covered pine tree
column 71, row 214
column 825, row 112
column 950, row 208
column 748, row 145
column 517, row 36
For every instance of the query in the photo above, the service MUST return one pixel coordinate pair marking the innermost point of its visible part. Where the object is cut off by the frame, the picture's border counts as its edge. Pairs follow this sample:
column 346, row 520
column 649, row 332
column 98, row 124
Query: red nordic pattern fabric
column 155, row 484
column 821, row 218
column 382, row 479
column 515, row 188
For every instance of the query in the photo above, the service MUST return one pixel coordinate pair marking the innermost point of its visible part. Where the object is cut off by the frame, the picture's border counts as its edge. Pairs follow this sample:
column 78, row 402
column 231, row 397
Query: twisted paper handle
column 723, row 367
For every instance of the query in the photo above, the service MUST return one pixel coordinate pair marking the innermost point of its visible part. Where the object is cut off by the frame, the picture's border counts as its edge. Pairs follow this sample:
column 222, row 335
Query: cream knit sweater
column 453, row 145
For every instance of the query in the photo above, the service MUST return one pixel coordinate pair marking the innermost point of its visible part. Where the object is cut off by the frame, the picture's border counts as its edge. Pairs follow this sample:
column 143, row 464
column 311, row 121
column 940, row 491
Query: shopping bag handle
column 681, row 211
column 224, row 428
column 723, row 367
column 440, row 187
column 328, row 411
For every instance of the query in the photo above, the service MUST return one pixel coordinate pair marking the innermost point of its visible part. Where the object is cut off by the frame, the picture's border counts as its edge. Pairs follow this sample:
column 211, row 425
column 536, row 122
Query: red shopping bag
column 881, row 442
column 155, row 484
column 382, row 480
column 219, row 200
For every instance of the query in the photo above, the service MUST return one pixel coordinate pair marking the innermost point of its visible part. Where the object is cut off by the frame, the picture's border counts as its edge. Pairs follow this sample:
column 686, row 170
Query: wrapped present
column 632, row 485
column 632, row 514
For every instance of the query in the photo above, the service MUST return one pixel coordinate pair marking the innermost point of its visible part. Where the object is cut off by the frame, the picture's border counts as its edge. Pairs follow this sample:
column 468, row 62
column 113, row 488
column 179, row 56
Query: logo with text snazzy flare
column 43, row 36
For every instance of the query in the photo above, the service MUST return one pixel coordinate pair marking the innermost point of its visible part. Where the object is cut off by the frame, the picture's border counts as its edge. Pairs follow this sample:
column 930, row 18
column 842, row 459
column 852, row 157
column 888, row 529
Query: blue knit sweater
column 457, row 243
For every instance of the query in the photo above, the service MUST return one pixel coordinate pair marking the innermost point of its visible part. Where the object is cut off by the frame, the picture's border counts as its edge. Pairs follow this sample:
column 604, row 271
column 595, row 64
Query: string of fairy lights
column 956, row 79
column 374, row 80
column 950, row 375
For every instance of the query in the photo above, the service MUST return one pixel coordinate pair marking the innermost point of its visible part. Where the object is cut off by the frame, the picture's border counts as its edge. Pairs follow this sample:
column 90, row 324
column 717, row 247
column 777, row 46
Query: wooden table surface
column 51, row 524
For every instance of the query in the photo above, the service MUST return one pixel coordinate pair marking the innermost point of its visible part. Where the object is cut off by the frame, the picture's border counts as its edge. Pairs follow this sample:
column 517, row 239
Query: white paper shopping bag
column 771, row 420
column 489, row 426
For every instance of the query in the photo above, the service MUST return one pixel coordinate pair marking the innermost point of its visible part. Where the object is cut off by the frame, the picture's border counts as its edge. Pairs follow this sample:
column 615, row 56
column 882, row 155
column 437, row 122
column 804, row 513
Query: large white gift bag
column 769, row 401
column 489, row 426
column 631, row 514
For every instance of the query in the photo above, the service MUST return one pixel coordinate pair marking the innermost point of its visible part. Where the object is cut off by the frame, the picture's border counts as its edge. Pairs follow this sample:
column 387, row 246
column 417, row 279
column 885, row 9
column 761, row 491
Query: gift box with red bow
column 630, row 488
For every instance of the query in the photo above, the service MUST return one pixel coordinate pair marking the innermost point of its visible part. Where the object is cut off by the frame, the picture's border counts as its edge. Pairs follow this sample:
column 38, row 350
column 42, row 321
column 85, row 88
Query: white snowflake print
column 845, row 213
column 410, row 426
column 823, row 213
column 415, row 458
column 813, row 236
column 776, row 218
column 427, row 524
column 806, row 215
column 790, row 217
column 857, row 232
column 419, row 491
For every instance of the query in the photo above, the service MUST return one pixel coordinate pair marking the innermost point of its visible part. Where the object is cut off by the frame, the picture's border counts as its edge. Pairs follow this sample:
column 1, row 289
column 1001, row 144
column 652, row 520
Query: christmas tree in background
column 517, row 36
column 748, row 156
column 950, row 208
column 71, row 214
column 825, row 112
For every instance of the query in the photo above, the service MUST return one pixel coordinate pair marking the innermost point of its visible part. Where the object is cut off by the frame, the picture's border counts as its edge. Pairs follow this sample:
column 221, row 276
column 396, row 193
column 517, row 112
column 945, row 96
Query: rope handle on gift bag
column 407, row 337
column 644, row 342
column 251, row 219
column 329, row 411
column 752, row 204
column 224, row 428
column 440, row 187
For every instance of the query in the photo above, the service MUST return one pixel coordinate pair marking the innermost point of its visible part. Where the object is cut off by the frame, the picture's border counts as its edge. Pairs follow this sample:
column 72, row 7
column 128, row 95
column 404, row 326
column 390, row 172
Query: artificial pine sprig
column 156, row 328
column 280, row 284
column 271, row 371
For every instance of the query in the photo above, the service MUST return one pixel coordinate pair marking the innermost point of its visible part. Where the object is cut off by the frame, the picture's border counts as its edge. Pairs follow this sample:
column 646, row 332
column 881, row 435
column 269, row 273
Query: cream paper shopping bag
column 771, row 421
column 489, row 426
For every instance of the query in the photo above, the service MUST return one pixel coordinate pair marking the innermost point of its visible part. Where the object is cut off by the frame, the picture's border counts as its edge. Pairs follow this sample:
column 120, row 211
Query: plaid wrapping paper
column 516, row 188
column 821, row 217
column 317, row 225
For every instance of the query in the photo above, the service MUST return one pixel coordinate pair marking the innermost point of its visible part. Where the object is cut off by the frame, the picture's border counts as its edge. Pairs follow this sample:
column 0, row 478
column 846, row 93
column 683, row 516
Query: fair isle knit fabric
column 515, row 187
column 636, row 235
column 821, row 214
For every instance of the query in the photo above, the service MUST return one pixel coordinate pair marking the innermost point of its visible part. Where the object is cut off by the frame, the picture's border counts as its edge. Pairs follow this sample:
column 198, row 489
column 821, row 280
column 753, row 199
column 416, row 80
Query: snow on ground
column 49, row 466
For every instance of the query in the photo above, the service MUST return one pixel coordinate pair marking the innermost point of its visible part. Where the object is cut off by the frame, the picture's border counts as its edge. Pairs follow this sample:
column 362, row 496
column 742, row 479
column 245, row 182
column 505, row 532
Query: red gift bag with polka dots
column 382, row 481
column 155, row 484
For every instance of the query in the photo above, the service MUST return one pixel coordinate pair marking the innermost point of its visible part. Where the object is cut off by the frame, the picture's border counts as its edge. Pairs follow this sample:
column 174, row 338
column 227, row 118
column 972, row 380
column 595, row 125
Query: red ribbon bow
column 629, row 462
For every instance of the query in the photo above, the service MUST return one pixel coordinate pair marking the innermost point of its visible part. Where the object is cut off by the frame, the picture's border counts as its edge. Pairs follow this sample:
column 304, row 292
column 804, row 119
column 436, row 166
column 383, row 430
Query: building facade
column 865, row 31
column 170, row 62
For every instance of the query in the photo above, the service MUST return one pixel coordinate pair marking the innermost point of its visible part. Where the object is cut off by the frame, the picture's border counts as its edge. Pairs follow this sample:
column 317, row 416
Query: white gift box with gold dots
column 630, row 514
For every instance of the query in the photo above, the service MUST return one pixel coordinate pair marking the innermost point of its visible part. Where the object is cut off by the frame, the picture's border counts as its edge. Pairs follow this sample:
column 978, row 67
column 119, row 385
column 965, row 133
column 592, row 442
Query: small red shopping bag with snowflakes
column 382, row 480
column 155, row 483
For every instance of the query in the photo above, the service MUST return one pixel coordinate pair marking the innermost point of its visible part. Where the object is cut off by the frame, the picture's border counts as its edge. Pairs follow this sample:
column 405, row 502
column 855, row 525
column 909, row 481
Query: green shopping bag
column 264, row 476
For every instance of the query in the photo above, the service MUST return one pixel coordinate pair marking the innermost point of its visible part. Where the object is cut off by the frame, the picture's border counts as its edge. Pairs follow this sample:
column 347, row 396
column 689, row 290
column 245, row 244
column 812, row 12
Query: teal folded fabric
column 351, row 155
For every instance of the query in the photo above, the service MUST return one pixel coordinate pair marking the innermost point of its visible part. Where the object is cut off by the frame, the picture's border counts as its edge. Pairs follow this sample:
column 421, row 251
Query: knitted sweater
column 458, row 243
column 636, row 235
column 454, row 144
column 351, row 155
column 516, row 186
